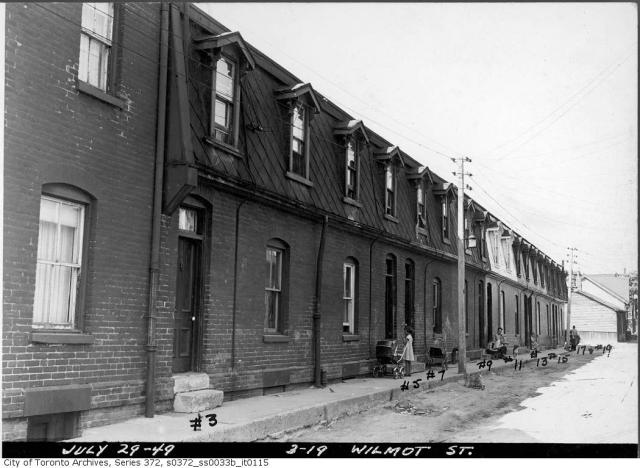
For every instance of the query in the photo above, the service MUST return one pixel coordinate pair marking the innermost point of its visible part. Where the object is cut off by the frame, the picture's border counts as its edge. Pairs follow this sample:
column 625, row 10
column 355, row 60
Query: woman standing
column 407, row 352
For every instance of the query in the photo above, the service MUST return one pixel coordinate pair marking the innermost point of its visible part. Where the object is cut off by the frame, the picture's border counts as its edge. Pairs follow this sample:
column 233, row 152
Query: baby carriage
column 387, row 354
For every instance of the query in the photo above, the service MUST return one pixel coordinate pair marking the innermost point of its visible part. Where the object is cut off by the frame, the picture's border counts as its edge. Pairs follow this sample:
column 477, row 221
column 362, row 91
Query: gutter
column 156, row 218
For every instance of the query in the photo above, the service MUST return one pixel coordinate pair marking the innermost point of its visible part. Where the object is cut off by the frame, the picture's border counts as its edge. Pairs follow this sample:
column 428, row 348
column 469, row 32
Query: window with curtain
column 273, row 289
column 95, row 44
column 445, row 217
column 349, row 297
column 60, row 238
column 352, row 169
column 225, row 80
column 390, row 192
column 298, row 162
column 422, row 207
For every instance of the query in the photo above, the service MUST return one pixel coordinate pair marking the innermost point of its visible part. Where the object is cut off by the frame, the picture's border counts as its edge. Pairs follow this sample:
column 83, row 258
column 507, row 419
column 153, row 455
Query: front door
column 528, row 322
column 187, row 305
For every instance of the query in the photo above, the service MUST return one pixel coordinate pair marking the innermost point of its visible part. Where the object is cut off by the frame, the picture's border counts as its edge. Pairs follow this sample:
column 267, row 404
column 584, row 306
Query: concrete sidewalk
column 255, row 418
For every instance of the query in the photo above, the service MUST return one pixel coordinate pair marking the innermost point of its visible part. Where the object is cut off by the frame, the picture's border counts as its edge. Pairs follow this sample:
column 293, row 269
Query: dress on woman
column 407, row 352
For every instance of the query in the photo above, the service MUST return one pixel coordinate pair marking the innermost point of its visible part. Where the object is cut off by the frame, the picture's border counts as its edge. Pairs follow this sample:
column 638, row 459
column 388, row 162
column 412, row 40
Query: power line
column 584, row 89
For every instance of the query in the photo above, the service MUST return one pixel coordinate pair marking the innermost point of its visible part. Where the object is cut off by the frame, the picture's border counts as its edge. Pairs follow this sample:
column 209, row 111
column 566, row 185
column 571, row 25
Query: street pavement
column 256, row 418
column 596, row 403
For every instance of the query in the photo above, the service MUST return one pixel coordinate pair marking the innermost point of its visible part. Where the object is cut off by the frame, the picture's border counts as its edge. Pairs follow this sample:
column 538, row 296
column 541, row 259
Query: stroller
column 387, row 353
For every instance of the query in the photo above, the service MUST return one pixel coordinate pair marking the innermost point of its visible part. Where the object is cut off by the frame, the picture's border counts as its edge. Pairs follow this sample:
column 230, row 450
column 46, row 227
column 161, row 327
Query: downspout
column 235, row 287
column 371, row 286
column 156, row 217
column 316, row 312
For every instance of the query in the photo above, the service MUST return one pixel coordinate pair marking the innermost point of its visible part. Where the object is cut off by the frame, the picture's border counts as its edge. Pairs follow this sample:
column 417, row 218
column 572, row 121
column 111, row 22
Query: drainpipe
column 371, row 286
column 235, row 287
column 316, row 312
column 156, row 219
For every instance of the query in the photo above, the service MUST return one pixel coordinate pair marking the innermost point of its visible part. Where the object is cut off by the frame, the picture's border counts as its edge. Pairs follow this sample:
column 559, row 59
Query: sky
column 541, row 97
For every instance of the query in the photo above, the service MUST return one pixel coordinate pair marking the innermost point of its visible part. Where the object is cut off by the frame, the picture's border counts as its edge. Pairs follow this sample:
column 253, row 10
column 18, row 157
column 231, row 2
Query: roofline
column 607, row 290
column 600, row 301
column 288, row 78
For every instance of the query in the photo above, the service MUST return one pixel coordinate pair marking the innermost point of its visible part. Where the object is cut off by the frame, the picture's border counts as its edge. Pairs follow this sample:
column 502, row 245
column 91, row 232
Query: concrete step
column 197, row 400
column 190, row 381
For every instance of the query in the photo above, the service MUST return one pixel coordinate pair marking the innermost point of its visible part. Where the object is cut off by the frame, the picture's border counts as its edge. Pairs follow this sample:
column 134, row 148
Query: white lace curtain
column 58, row 267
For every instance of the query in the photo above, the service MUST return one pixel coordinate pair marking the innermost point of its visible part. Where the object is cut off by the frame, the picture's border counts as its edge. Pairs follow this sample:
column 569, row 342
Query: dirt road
column 454, row 412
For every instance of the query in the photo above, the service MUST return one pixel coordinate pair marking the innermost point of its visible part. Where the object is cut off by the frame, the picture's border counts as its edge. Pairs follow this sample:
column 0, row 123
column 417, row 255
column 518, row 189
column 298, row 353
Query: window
column 482, row 242
column 95, row 44
column 390, row 297
column 445, row 217
column 466, row 233
column 273, row 290
column 494, row 247
column 409, row 292
column 224, row 101
column 548, row 321
column 437, row 306
column 421, row 207
column 516, row 259
column 506, row 253
column 188, row 220
column 352, row 169
column 349, row 297
column 390, row 191
column 534, row 270
column 525, row 266
column 542, row 268
column 298, row 158
column 60, row 245
column 538, row 328
column 502, row 309
column 517, row 316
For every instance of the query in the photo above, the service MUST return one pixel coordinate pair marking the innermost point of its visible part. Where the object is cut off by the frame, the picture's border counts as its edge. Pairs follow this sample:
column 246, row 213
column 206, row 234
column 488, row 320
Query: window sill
column 393, row 219
column 299, row 178
column 276, row 338
column 467, row 251
column 423, row 231
column 446, row 241
column 224, row 147
column 60, row 337
column 351, row 201
column 97, row 93
column 346, row 337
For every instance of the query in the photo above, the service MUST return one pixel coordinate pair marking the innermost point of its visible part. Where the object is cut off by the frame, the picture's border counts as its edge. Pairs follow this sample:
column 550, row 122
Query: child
column 407, row 352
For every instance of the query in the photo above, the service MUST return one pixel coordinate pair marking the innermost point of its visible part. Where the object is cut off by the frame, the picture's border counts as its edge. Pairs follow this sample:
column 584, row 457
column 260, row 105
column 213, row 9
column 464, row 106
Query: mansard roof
column 349, row 127
column 226, row 39
column 298, row 90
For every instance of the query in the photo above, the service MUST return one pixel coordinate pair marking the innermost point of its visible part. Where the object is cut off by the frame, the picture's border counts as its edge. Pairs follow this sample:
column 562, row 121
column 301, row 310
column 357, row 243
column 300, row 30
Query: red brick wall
column 56, row 134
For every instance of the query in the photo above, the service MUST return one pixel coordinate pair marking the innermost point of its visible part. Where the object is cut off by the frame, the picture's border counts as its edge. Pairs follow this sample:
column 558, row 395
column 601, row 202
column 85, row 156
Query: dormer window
column 390, row 190
column 298, row 157
column 506, row 253
column 421, row 206
column 494, row 247
column 224, row 103
column 230, row 58
column 467, row 234
column 445, row 217
column 299, row 106
column 351, row 176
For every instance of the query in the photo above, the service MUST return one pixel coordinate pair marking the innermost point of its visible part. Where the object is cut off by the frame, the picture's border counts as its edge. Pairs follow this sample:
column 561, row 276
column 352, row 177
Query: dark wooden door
column 528, row 322
column 187, row 304
column 490, row 329
column 482, row 342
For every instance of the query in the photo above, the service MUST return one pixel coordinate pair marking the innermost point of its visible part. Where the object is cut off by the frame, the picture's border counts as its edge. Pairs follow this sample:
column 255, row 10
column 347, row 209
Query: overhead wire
column 584, row 89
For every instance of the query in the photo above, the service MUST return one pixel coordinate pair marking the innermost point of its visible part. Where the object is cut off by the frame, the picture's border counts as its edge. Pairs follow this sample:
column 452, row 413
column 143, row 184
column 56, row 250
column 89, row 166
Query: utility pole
column 571, row 256
column 462, row 332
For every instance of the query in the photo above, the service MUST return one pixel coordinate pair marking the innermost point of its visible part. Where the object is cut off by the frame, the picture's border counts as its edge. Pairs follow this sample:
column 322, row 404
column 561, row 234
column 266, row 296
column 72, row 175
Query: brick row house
column 178, row 204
